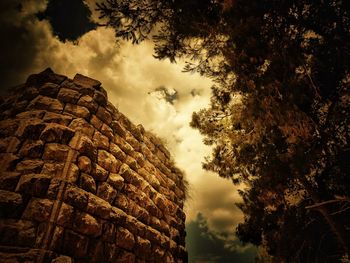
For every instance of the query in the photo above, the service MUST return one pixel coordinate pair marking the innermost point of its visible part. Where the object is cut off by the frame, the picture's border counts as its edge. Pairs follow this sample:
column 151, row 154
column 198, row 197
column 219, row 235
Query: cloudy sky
column 151, row 92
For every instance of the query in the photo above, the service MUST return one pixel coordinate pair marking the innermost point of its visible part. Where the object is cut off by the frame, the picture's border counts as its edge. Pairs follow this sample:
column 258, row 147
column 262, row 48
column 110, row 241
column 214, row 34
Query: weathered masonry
column 80, row 183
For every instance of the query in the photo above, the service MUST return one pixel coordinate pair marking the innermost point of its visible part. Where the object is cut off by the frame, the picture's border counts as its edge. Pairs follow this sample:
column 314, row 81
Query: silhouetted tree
column 279, row 113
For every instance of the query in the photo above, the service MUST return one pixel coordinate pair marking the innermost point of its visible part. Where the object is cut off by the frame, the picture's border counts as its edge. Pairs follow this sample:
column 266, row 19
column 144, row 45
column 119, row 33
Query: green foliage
column 279, row 114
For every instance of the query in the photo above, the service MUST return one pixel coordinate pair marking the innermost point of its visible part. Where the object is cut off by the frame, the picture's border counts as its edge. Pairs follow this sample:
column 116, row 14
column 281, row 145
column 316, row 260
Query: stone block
column 87, row 183
column 76, row 197
column 100, row 140
column 118, row 216
column 53, row 169
column 32, row 149
column 138, row 212
column 87, row 224
column 29, row 166
column 71, row 174
column 155, row 223
column 107, row 131
column 126, row 147
column 122, row 202
column 117, row 152
column 106, row 192
column 99, row 173
column 57, row 152
column 30, row 128
column 153, row 235
column 54, row 187
column 96, row 122
column 129, row 175
column 51, row 117
column 33, row 184
column 28, row 93
column 65, row 216
column 84, row 90
column 132, row 163
column 78, row 111
column 149, row 177
column 108, row 161
column 62, row 259
column 118, row 128
column 32, row 114
column 100, row 98
column 84, row 146
column 116, row 181
column 84, row 164
column 136, row 227
column 68, row 95
column 125, row 121
column 133, row 142
column 146, row 152
column 164, row 227
column 125, row 239
column 38, row 210
column 49, row 89
column 137, row 132
column 84, row 81
column 46, row 103
column 88, row 102
column 139, row 157
column 104, row 115
column 99, row 207
column 112, row 109
column 54, row 132
column 82, row 126
column 174, row 234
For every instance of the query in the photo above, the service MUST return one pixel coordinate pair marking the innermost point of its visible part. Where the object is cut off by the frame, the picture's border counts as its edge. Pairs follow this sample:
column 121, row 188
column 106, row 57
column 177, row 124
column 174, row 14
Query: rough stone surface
column 32, row 149
column 82, row 183
column 62, row 259
column 56, row 133
column 46, row 103
column 87, row 183
column 87, row 225
column 38, row 210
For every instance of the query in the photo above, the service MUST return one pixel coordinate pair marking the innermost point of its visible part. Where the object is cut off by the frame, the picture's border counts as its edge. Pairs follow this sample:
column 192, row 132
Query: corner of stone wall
column 79, row 182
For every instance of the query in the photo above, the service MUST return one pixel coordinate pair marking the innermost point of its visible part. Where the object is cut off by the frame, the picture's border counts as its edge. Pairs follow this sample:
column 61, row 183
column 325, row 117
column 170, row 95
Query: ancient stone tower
column 80, row 183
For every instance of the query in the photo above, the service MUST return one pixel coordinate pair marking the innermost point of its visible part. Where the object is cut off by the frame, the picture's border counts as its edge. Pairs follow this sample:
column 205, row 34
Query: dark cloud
column 204, row 245
column 70, row 19
column 169, row 95
column 18, row 45
column 195, row 92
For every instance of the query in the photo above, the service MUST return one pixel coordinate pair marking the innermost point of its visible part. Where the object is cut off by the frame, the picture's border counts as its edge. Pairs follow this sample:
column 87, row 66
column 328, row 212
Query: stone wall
column 80, row 183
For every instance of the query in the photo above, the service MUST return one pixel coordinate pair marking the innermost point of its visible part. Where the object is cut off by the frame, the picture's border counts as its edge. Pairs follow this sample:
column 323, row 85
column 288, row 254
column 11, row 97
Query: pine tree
column 279, row 113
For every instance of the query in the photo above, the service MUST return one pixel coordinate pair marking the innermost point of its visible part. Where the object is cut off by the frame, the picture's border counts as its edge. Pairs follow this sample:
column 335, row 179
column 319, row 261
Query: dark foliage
column 69, row 19
column 279, row 114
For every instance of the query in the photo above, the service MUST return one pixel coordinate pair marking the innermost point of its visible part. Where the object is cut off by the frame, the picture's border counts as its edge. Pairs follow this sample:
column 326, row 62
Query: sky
column 61, row 34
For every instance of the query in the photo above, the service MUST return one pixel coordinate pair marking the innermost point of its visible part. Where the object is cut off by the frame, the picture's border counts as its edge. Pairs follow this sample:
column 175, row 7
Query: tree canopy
column 279, row 113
